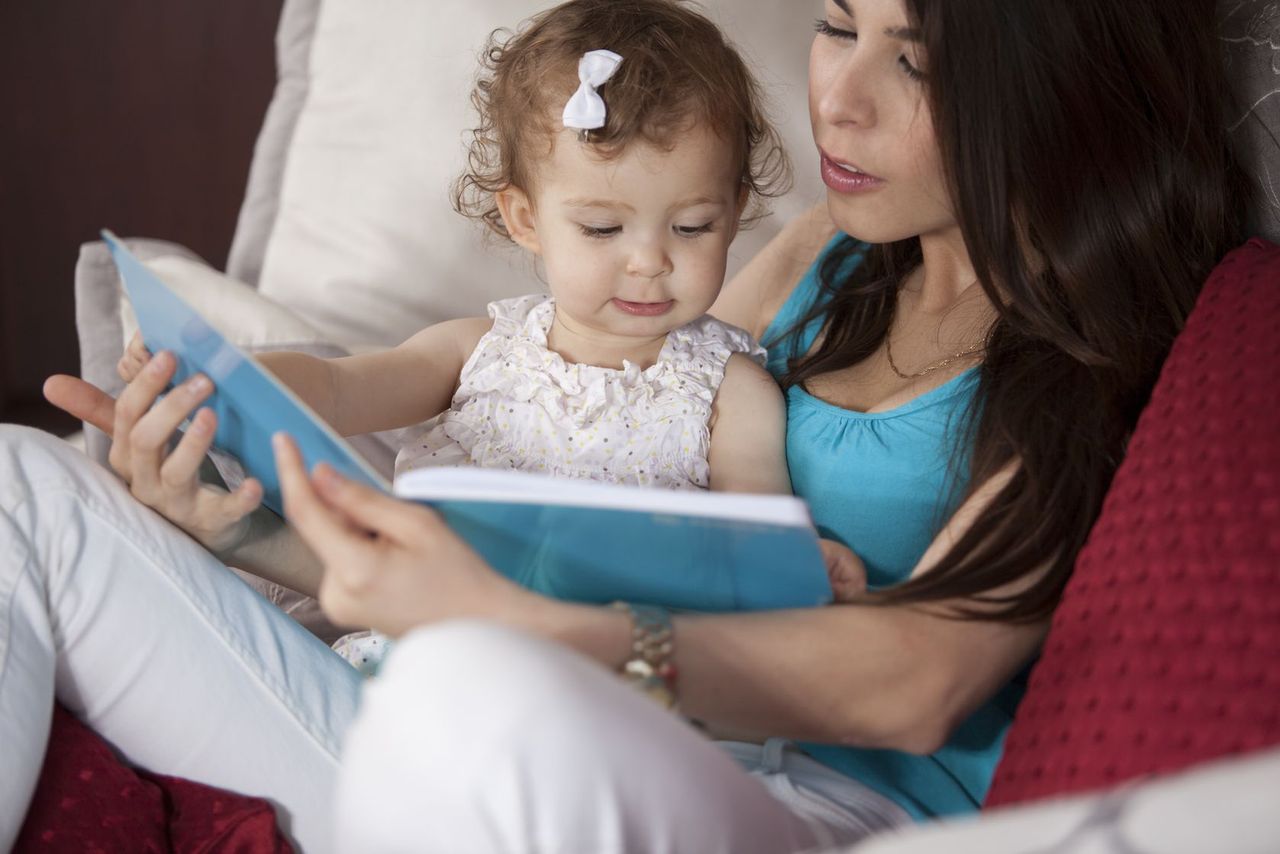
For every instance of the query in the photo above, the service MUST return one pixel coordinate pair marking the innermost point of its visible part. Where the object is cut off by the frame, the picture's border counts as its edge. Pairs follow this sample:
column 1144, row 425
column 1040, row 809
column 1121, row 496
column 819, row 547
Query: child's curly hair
column 677, row 70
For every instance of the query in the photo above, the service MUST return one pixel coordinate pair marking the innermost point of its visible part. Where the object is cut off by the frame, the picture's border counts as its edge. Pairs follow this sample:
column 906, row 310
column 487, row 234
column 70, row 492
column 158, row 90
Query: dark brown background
column 136, row 115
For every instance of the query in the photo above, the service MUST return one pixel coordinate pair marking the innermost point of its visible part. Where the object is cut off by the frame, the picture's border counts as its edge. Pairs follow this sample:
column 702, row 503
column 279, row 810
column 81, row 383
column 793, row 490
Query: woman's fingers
column 134, row 402
column 181, row 468
column 81, row 400
column 245, row 499
column 326, row 530
column 371, row 509
column 149, row 437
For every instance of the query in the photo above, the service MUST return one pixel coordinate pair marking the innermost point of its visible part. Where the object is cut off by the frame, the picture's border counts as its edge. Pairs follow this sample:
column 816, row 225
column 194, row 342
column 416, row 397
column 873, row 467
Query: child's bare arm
column 748, row 432
column 407, row 384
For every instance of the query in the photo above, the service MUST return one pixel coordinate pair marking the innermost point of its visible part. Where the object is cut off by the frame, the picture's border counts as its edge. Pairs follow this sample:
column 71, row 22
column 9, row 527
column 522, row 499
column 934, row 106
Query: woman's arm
column 394, row 388
column 889, row 677
column 752, row 297
column 895, row 677
column 748, row 432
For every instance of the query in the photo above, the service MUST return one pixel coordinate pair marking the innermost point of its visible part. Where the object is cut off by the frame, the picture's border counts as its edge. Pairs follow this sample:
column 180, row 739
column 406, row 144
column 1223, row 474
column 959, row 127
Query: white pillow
column 364, row 243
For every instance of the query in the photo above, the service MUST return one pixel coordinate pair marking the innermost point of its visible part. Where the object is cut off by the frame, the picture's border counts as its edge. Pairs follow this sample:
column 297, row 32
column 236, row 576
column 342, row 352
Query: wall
column 137, row 115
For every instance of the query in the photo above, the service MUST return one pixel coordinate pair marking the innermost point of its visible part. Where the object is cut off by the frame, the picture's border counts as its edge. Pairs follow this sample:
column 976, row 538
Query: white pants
column 155, row 644
column 476, row 738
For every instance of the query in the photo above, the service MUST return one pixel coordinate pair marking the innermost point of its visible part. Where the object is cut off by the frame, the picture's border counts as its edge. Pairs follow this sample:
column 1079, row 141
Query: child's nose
column 648, row 261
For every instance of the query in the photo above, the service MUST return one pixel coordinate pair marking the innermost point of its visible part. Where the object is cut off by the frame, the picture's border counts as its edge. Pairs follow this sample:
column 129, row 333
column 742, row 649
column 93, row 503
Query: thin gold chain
column 937, row 366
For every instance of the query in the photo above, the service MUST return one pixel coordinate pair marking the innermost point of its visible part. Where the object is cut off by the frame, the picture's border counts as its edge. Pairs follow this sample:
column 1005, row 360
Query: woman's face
column 871, row 122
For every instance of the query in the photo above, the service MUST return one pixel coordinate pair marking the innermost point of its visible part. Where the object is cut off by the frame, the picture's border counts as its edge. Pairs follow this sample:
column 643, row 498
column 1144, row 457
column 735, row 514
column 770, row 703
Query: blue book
column 580, row 541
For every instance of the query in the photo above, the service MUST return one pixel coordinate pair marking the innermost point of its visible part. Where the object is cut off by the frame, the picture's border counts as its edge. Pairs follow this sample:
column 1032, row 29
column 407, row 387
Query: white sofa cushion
column 347, row 219
column 1224, row 807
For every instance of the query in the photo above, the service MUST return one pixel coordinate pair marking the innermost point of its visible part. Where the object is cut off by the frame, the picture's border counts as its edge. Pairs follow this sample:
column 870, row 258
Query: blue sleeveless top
column 883, row 484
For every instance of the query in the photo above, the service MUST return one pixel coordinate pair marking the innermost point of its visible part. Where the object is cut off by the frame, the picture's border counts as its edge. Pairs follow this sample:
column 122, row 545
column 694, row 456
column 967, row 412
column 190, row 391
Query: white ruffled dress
column 521, row 406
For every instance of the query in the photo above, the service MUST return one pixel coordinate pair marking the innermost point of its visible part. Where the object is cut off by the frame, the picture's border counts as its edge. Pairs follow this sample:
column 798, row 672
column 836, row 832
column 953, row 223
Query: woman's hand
column 141, row 429
column 845, row 569
column 390, row 564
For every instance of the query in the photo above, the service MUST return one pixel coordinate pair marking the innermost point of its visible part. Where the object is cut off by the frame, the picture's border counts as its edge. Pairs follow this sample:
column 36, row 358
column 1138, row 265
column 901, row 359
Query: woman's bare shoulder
column 752, row 297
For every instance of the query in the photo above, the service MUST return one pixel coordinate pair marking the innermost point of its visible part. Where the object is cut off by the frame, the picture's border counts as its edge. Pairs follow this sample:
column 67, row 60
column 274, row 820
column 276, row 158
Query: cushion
column 1250, row 33
column 347, row 218
column 1165, row 650
column 87, row 800
column 1225, row 806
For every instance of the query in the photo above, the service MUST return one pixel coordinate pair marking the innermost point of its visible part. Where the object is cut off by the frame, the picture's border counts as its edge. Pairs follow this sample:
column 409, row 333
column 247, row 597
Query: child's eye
column 693, row 230
column 826, row 28
column 600, row 231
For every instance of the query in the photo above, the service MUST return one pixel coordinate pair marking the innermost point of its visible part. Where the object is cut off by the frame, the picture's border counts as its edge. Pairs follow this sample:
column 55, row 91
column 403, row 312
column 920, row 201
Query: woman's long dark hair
column 1092, row 177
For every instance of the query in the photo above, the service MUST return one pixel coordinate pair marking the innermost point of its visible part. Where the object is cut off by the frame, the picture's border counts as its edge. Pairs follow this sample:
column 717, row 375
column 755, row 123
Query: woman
column 1044, row 186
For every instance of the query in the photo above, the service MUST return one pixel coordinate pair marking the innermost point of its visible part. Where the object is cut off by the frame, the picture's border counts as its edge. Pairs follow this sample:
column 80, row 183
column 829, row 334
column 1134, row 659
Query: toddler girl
column 622, row 145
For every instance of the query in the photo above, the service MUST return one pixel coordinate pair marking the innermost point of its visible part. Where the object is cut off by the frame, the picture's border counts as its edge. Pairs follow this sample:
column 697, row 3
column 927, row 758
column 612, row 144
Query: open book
column 589, row 542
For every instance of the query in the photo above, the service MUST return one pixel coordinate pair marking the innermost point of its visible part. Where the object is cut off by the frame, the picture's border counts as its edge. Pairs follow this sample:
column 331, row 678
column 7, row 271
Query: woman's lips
column 847, row 179
column 644, row 309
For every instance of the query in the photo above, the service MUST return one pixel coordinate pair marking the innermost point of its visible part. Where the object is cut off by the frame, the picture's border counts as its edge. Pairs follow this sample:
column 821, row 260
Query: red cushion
column 87, row 800
column 1165, row 651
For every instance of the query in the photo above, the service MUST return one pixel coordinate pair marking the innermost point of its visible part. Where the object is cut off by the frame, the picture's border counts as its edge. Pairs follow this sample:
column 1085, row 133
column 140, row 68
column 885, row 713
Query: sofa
column 1151, row 718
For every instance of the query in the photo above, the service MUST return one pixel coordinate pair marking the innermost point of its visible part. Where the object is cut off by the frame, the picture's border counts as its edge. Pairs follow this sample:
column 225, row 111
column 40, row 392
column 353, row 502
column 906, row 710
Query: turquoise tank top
column 883, row 484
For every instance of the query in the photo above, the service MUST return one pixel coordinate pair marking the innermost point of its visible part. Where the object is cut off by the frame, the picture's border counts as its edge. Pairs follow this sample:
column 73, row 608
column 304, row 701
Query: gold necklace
column 937, row 366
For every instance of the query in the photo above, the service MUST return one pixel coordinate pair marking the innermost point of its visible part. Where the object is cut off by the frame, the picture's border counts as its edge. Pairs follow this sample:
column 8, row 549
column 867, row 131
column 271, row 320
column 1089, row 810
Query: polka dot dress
column 521, row 406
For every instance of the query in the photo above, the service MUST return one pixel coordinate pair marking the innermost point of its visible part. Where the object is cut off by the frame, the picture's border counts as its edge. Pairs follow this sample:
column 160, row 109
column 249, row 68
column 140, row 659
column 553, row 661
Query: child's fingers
column 134, row 359
column 136, row 349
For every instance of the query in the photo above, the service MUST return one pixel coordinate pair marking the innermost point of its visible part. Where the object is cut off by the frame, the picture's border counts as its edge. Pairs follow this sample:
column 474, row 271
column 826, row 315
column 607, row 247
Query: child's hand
column 135, row 358
column 845, row 569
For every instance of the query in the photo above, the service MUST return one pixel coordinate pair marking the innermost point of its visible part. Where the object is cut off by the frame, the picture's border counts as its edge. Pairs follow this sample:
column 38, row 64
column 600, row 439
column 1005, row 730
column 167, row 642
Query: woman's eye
column 693, row 230
column 600, row 231
column 912, row 72
column 826, row 28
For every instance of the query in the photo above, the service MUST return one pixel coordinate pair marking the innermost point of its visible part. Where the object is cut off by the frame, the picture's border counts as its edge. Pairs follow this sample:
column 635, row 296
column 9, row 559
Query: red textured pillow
column 87, row 800
column 1165, row 651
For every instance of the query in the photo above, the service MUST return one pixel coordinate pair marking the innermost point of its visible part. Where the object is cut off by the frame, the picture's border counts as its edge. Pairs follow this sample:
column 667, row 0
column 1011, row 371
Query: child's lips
column 644, row 309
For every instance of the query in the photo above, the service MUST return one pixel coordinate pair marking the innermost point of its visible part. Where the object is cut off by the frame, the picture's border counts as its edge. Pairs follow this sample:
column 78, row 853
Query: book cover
column 579, row 541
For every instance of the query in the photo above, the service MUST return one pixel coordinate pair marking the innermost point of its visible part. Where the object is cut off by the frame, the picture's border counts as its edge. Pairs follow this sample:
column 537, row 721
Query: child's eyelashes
column 600, row 232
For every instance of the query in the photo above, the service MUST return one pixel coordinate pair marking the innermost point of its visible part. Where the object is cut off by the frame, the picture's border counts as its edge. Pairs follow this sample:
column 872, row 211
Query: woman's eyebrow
column 911, row 34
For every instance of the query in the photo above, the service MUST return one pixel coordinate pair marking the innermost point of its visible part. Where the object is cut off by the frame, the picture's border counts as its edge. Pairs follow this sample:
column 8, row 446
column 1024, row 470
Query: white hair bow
column 586, row 110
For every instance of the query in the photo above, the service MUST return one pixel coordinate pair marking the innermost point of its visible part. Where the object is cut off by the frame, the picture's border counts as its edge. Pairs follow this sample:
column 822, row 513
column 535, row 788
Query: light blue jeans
column 155, row 644
column 475, row 738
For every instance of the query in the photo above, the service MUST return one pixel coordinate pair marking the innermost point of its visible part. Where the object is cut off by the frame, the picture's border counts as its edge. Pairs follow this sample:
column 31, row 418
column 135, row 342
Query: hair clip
column 586, row 109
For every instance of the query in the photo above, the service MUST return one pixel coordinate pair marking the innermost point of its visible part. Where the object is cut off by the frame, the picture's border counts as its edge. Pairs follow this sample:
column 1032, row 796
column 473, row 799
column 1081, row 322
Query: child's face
column 634, row 246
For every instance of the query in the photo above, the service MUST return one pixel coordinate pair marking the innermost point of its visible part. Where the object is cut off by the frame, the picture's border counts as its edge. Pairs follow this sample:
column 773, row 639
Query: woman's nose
column 649, row 261
column 847, row 97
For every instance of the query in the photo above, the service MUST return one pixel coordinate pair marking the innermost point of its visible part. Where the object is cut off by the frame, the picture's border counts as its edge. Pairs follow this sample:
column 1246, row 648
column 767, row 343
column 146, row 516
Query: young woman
column 1024, row 199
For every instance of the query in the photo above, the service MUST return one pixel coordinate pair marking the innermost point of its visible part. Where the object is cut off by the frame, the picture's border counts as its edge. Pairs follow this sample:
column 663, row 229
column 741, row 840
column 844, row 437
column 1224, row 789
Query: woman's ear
column 516, row 209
